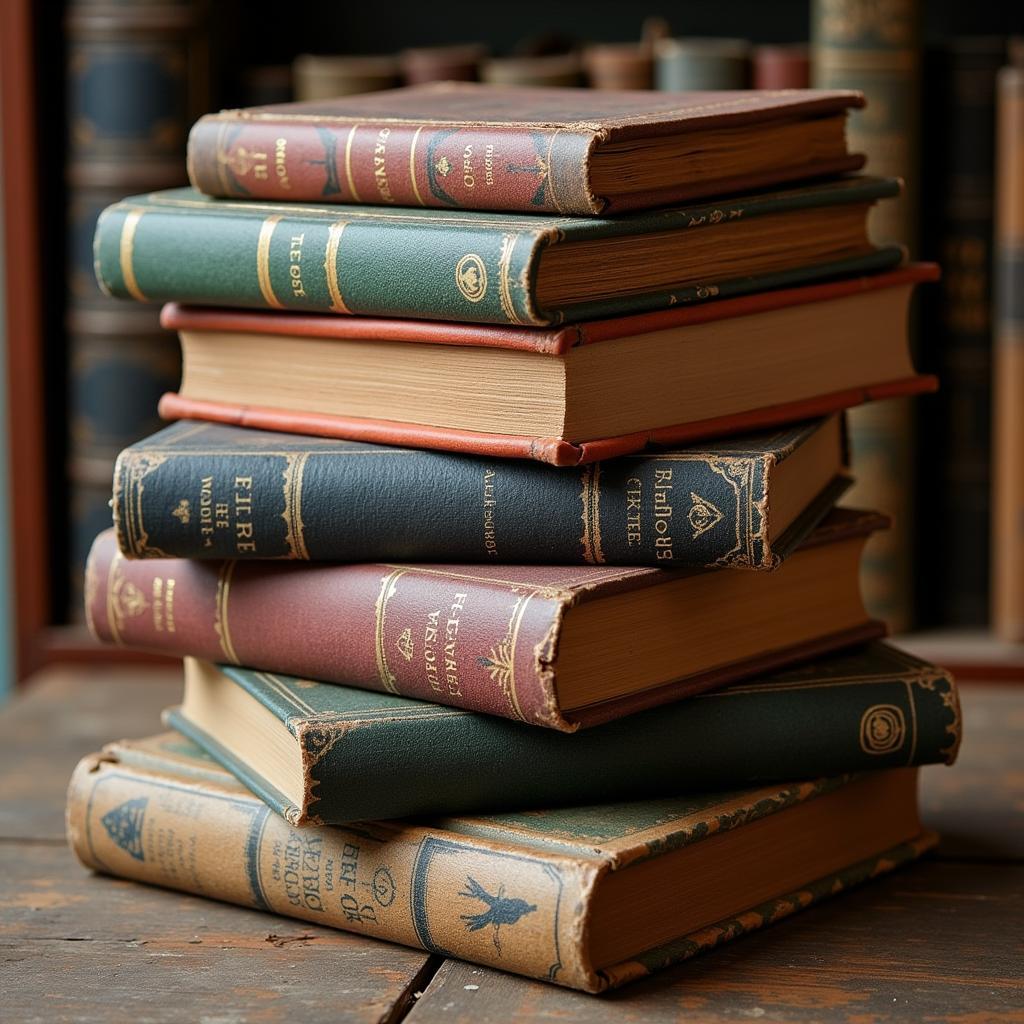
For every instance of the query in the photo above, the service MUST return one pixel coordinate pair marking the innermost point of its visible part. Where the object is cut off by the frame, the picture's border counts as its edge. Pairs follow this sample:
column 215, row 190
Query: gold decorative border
column 412, row 166
column 590, row 498
column 263, row 261
column 126, row 252
column 292, row 515
column 331, row 267
column 220, row 620
column 348, row 164
column 387, row 591
column 508, row 243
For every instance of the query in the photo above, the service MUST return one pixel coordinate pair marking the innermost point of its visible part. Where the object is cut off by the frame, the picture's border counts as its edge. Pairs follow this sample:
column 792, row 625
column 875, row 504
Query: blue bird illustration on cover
column 500, row 909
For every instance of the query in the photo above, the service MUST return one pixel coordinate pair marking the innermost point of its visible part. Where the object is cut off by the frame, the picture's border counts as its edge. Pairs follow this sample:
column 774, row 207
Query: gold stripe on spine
column 500, row 664
column 263, row 262
column 913, row 721
column 388, row 585
column 590, row 498
column 331, row 267
column 412, row 166
column 348, row 164
column 220, row 620
column 508, row 243
column 127, row 252
column 550, row 178
column 113, row 612
column 292, row 514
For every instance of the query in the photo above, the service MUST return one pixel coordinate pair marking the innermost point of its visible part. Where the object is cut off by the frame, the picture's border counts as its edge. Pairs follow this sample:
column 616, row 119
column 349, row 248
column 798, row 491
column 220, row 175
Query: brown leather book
column 530, row 150
column 552, row 646
column 565, row 396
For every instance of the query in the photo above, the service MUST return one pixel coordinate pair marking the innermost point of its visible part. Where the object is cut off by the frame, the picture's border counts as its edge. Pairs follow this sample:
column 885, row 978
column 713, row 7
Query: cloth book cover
column 174, row 497
column 375, row 755
column 510, row 891
column 481, row 637
column 555, row 342
column 466, row 146
column 436, row 264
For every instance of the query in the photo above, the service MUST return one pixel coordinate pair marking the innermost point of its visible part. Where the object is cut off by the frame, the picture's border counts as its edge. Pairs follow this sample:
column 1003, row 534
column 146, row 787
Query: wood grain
column 937, row 942
column 63, row 715
column 79, row 947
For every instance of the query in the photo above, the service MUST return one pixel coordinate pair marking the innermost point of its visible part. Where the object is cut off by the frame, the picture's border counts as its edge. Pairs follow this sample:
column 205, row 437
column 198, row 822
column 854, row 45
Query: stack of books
column 496, row 526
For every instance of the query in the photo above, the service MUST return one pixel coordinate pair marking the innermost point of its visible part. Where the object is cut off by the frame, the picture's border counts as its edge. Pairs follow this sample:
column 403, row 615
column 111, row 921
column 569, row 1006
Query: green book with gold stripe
column 483, row 267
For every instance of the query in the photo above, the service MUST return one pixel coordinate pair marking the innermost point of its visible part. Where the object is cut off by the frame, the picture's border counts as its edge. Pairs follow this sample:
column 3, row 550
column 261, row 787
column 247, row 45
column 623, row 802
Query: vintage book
column 566, row 396
column 481, row 267
column 954, row 467
column 1008, row 364
column 331, row 754
column 527, row 150
column 619, row 65
column 875, row 46
column 589, row 898
column 696, row 64
column 136, row 78
column 555, row 646
column 545, row 70
column 781, row 66
column 747, row 500
column 317, row 77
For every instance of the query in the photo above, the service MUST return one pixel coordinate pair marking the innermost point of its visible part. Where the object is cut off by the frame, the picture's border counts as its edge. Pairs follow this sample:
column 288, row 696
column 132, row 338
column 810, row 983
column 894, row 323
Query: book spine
column 684, row 65
column 447, row 637
column 404, row 885
column 333, row 160
column 786, row 66
column 118, row 360
column 876, row 48
column 480, row 273
column 1008, row 423
column 673, row 510
column 960, row 154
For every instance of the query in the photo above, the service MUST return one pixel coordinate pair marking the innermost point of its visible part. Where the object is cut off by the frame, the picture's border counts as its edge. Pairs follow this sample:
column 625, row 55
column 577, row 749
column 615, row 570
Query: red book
column 565, row 395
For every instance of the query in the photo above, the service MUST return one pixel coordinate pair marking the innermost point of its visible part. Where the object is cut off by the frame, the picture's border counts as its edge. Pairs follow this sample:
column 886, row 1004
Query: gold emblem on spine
column 703, row 515
column 126, row 253
column 348, row 164
column 220, row 619
column 295, row 538
column 471, row 277
column 443, row 166
column 331, row 267
column 183, row 512
column 412, row 166
column 263, row 262
column 405, row 645
column 590, row 496
column 882, row 729
column 388, row 586
column 500, row 662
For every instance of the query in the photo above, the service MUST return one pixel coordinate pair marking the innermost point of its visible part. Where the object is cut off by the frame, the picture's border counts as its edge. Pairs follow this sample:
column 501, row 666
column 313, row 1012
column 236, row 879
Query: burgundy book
column 552, row 646
column 529, row 150
column 566, row 395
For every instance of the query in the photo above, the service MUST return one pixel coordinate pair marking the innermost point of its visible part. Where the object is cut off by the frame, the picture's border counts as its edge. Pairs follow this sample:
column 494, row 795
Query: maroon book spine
column 542, row 170
column 444, row 634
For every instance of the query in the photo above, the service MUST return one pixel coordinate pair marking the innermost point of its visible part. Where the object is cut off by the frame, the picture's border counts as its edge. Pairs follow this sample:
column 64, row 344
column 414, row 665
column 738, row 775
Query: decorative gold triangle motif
column 703, row 515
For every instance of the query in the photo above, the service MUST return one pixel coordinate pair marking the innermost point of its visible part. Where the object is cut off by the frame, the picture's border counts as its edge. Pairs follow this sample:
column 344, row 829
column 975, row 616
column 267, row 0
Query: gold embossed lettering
column 280, row 166
column 663, row 513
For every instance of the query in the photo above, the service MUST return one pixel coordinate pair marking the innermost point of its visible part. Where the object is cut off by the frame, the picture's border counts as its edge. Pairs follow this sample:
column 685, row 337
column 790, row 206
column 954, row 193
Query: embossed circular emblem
column 471, row 277
column 383, row 887
column 882, row 729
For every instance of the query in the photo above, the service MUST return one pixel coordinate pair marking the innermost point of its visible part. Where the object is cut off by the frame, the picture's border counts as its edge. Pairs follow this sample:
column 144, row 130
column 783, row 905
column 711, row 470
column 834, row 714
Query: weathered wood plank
column 65, row 714
column 938, row 942
column 977, row 805
column 79, row 947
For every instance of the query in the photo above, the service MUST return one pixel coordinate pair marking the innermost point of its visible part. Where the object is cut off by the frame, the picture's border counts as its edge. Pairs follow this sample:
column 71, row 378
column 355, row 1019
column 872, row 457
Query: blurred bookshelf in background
column 116, row 85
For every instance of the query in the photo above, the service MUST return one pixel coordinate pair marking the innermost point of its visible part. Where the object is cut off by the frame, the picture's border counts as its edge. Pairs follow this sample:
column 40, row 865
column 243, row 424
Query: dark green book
column 317, row 752
column 482, row 267
column 746, row 501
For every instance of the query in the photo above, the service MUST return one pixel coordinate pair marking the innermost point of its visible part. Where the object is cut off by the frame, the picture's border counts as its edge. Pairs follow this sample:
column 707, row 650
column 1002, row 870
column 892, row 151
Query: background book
column 876, row 47
column 137, row 76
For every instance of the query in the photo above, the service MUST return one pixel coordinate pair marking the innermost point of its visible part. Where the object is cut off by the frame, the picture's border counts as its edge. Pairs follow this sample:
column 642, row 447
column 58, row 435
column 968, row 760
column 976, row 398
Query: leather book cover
column 512, row 891
column 482, row 637
column 480, row 147
column 551, row 341
column 174, row 497
column 463, row 266
column 374, row 755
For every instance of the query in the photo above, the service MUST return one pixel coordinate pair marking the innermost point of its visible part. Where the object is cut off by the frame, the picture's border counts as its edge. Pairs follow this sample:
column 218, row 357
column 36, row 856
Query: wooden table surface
column 942, row 940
